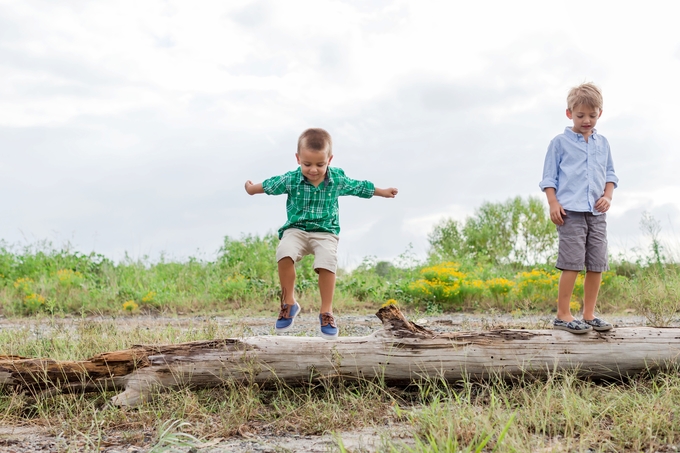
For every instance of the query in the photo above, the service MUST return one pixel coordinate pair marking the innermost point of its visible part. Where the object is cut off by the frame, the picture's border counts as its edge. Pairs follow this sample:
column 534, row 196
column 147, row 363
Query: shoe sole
column 574, row 331
column 326, row 336
column 292, row 321
column 602, row 329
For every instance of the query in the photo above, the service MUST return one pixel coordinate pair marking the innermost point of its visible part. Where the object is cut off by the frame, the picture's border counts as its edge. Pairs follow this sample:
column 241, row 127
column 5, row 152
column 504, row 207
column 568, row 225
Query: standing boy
column 312, row 227
column 579, row 181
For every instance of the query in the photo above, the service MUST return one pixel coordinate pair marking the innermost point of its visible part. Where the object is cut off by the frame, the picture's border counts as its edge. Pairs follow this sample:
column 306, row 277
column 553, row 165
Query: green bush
column 517, row 232
column 495, row 259
column 657, row 296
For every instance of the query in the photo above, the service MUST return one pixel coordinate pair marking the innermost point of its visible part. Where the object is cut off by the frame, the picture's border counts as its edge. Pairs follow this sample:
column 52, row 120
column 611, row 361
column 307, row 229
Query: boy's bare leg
column 287, row 280
column 327, row 290
column 591, row 288
column 564, row 292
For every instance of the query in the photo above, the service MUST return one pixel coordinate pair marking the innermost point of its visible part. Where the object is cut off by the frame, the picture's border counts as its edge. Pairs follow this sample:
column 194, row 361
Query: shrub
column 657, row 297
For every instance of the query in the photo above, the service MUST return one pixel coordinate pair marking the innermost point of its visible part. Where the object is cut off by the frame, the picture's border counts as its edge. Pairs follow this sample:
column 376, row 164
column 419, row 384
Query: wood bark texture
column 400, row 353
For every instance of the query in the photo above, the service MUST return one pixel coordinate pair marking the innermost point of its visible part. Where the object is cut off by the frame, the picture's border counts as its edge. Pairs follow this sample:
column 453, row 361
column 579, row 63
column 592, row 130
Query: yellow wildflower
column 149, row 296
column 389, row 302
column 23, row 283
column 130, row 306
column 34, row 298
column 65, row 275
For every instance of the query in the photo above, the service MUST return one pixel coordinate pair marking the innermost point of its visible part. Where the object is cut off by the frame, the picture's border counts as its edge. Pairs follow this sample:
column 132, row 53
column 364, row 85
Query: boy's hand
column 603, row 204
column 252, row 189
column 386, row 193
column 557, row 213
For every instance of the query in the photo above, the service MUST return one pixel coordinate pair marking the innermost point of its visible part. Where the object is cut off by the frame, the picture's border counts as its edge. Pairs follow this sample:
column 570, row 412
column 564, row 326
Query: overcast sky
column 131, row 126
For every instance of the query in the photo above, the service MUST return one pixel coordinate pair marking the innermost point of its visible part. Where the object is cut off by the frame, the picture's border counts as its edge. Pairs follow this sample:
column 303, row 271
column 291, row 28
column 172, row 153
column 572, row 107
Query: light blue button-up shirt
column 578, row 170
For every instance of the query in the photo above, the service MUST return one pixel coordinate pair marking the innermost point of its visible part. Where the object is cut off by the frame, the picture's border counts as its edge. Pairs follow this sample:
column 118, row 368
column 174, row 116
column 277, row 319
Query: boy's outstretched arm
column 390, row 192
column 253, row 189
column 556, row 210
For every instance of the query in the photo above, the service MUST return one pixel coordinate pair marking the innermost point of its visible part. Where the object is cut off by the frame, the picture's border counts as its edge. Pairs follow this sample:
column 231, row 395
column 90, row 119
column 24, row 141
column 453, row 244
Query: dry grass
column 560, row 413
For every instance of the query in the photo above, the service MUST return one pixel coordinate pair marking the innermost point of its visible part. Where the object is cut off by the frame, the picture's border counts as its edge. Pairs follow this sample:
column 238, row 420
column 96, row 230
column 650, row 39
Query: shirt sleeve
column 610, row 173
column 276, row 185
column 550, row 167
column 361, row 189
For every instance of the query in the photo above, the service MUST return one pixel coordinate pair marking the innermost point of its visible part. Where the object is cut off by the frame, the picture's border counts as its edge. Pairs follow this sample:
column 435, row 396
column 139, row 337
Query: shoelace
column 285, row 311
column 326, row 319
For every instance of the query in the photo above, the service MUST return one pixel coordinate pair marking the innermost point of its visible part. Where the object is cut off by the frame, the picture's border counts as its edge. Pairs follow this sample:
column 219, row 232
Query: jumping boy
column 579, row 181
column 312, row 227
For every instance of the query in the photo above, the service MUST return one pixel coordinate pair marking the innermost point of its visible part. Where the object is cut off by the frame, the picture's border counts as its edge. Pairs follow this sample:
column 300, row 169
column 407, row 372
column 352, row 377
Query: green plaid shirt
column 312, row 208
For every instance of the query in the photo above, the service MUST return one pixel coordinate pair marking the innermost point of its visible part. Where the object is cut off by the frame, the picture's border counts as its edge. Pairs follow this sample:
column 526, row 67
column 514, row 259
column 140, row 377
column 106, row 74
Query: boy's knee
column 286, row 261
column 321, row 270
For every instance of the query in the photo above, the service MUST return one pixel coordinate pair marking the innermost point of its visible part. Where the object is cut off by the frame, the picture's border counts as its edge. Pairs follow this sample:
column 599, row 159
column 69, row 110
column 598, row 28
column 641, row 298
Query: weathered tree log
column 400, row 353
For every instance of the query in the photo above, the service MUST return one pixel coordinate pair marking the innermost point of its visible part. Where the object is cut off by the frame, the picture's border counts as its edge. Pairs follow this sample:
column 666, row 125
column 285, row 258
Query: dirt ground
column 29, row 439
column 34, row 439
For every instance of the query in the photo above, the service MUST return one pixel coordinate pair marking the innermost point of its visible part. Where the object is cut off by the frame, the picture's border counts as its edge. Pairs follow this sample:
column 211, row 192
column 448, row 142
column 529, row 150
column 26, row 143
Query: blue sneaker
column 287, row 317
column 598, row 324
column 328, row 329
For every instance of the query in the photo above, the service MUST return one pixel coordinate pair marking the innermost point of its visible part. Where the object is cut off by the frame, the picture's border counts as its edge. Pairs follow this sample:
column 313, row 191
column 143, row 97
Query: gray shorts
column 583, row 242
column 295, row 244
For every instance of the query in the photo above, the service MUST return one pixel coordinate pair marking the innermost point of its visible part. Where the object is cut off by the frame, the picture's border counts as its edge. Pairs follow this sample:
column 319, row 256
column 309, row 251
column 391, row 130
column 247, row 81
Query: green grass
column 242, row 280
column 500, row 258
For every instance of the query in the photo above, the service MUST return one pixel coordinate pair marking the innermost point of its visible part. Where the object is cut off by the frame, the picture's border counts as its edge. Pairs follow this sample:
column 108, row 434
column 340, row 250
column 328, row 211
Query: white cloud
column 132, row 126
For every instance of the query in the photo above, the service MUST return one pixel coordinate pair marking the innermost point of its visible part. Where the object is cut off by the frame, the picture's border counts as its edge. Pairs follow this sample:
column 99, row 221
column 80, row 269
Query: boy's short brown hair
column 316, row 139
column 587, row 94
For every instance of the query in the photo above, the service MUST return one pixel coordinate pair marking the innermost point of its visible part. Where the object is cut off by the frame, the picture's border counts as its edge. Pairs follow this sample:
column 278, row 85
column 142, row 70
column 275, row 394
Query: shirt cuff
column 368, row 190
column 547, row 183
column 267, row 186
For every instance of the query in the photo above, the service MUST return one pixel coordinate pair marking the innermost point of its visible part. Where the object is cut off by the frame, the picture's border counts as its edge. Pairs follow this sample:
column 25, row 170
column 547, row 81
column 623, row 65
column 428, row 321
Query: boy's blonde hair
column 316, row 139
column 585, row 94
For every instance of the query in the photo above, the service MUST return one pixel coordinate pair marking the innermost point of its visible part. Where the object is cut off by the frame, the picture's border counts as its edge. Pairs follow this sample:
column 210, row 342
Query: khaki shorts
column 583, row 242
column 295, row 244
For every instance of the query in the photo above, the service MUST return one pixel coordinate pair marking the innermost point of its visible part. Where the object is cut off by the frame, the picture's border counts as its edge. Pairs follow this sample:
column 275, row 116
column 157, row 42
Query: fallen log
column 400, row 353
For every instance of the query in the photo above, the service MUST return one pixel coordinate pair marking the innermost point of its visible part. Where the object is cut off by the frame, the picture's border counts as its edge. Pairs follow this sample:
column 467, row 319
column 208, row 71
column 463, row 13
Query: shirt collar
column 327, row 179
column 576, row 136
